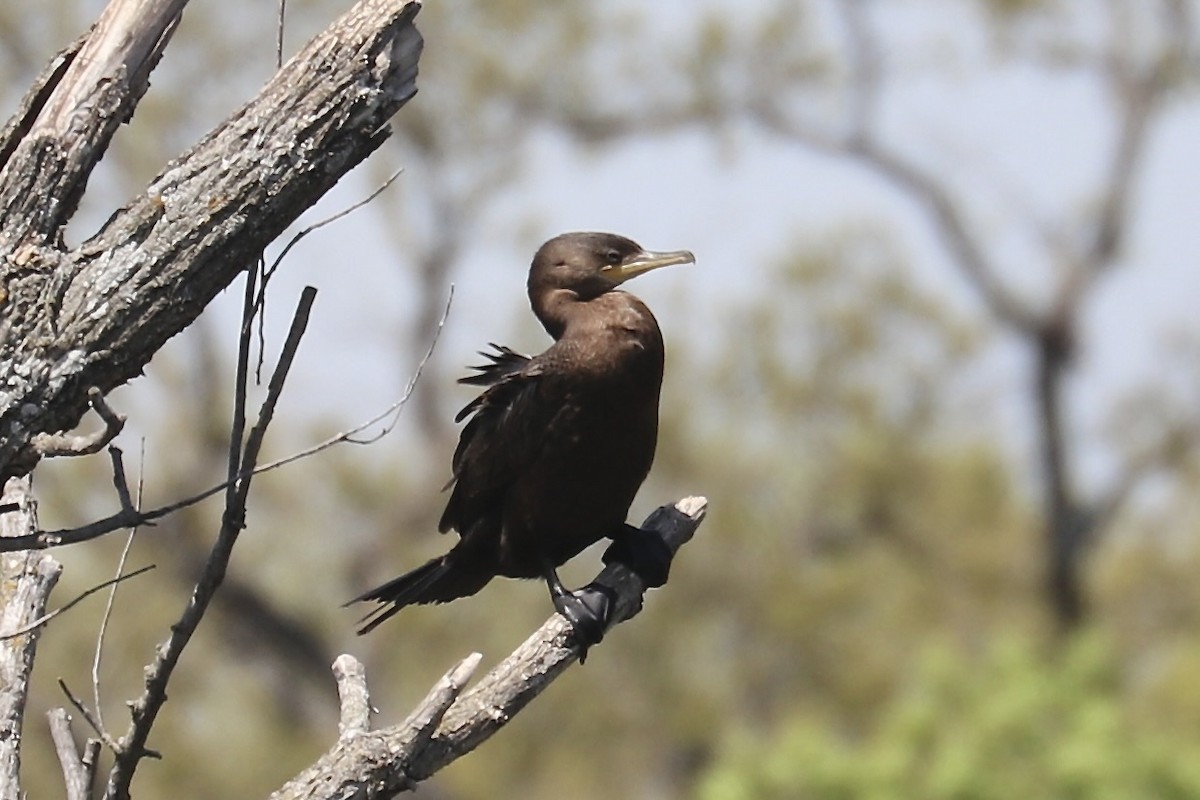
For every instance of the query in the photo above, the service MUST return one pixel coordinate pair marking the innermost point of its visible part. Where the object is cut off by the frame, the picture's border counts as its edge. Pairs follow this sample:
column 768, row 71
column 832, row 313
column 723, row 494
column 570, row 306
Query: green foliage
column 1012, row 723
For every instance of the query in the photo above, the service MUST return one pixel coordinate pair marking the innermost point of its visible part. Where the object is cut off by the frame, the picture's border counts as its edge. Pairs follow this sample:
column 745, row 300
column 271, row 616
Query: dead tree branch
column 130, row 516
column 94, row 315
column 79, row 598
column 67, row 444
column 449, row 724
column 75, row 774
column 25, row 582
column 131, row 748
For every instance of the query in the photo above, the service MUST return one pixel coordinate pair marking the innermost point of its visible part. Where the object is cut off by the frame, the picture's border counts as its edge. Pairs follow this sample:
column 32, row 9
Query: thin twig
column 145, row 709
column 112, row 596
column 127, row 519
column 88, row 717
column 261, row 314
column 42, row 620
column 279, row 34
column 260, row 304
column 116, row 455
column 237, row 426
column 327, row 221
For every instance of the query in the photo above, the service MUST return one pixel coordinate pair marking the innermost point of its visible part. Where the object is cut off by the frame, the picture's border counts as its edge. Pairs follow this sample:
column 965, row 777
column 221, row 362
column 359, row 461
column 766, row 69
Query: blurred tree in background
column 944, row 558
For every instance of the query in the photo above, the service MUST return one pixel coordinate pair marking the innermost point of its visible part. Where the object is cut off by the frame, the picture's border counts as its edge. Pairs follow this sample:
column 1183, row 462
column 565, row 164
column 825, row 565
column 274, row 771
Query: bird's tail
column 438, row 580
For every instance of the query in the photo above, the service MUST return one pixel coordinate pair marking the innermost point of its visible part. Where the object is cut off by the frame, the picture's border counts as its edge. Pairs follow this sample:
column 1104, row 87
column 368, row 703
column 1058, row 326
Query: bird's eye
column 612, row 257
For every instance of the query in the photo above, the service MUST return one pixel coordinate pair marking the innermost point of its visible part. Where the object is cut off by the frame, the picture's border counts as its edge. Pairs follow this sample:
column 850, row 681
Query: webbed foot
column 589, row 610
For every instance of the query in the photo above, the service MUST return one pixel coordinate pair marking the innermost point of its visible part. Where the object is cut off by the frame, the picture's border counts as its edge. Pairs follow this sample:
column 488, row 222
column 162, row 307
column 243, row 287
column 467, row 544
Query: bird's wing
column 504, row 362
column 501, row 438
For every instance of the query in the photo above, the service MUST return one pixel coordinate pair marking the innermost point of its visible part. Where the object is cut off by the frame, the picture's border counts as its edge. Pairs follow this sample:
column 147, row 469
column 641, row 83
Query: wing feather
column 499, row 440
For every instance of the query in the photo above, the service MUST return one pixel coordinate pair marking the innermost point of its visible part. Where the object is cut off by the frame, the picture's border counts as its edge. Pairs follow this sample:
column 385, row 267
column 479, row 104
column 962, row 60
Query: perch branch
column 450, row 723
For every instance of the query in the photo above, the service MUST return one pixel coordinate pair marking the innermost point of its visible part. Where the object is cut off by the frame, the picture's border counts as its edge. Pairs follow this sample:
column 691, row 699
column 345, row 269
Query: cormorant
column 558, row 444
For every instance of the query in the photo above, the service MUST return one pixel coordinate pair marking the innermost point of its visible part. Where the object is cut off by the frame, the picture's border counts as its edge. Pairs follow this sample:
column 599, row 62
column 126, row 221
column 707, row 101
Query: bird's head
column 590, row 264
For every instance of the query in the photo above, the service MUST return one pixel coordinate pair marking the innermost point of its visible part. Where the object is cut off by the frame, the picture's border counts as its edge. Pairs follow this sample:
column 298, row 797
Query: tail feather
column 438, row 580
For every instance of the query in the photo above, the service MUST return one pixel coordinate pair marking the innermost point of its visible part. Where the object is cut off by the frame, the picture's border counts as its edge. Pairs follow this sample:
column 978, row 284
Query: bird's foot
column 643, row 552
column 589, row 611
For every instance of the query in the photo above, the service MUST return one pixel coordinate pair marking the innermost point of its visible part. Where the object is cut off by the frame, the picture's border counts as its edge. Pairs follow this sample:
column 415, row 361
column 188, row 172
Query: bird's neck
column 555, row 309
column 562, row 310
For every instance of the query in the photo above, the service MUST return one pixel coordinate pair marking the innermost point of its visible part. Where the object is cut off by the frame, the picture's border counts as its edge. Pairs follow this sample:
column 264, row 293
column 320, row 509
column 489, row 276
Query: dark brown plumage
column 556, row 447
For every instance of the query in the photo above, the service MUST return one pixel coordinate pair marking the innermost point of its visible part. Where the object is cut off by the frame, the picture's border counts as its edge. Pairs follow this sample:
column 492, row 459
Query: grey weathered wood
column 66, row 135
column 448, row 723
column 365, row 765
column 353, row 696
column 75, row 774
column 26, row 579
column 71, row 319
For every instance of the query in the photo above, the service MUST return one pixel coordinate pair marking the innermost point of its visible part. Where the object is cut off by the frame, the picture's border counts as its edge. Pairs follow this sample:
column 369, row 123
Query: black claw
column 589, row 610
column 643, row 552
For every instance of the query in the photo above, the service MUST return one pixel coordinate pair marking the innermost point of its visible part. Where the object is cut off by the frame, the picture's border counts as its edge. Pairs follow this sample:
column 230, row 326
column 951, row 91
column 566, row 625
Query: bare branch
column 355, row 699
column 112, row 595
column 345, row 212
column 413, row 736
column 94, row 316
column 861, row 142
column 144, row 710
column 66, row 444
column 35, row 98
column 1136, row 92
column 237, row 426
column 130, row 517
column 25, row 582
column 91, row 762
column 74, row 772
column 120, row 482
column 43, row 619
column 93, row 94
column 383, row 763
column 279, row 34
column 88, row 717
